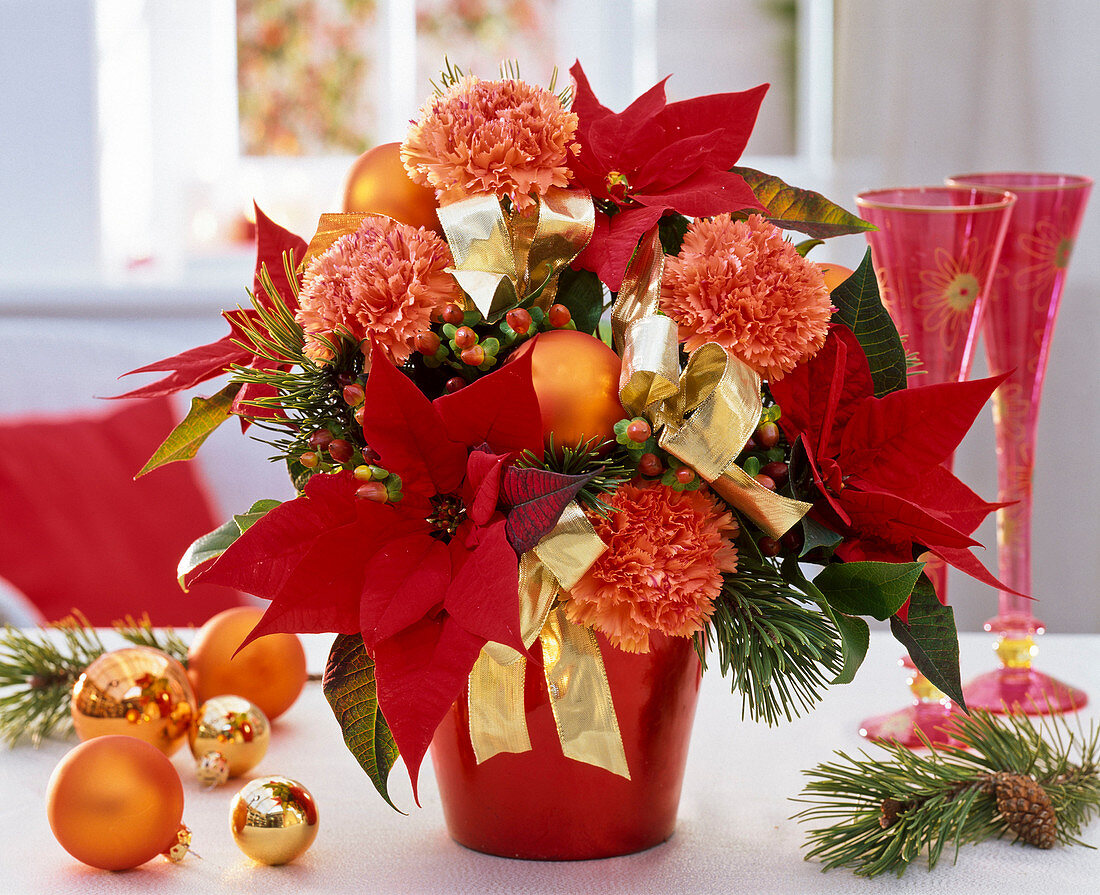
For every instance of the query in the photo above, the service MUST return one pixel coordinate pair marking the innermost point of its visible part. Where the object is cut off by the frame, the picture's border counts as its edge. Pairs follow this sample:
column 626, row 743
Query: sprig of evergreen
column 779, row 651
column 877, row 816
column 608, row 470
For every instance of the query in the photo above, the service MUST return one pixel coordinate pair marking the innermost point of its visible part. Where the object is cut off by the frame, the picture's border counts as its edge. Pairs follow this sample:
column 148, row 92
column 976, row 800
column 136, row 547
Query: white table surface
column 734, row 834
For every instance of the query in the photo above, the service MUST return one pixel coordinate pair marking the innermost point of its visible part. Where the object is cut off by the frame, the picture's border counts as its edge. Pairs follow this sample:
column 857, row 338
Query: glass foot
column 934, row 719
column 1022, row 691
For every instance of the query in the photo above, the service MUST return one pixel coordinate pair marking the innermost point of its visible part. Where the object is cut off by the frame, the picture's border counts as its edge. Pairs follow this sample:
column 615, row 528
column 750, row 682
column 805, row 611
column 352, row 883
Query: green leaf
column 932, row 640
column 205, row 415
column 582, row 293
column 860, row 309
column 855, row 635
column 213, row 544
column 255, row 513
column 350, row 689
column 877, row 589
column 815, row 535
column 671, row 229
column 803, row 248
column 803, row 210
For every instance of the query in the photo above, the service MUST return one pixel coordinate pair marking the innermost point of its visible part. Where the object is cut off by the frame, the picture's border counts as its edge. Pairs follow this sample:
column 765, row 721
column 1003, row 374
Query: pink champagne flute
column 935, row 253
column 1019, row 323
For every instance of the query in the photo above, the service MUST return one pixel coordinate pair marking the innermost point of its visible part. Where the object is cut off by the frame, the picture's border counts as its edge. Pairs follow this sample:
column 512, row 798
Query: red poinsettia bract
column 197, row 365
column 656, row 156
column 877, row 462
column 427, row 580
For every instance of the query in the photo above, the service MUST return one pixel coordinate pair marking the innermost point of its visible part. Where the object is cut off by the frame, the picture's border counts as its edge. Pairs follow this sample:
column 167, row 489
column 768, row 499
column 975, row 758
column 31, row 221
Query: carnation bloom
column 383, row 280
column 663, row 567
column 742, row 285
column 507, row 138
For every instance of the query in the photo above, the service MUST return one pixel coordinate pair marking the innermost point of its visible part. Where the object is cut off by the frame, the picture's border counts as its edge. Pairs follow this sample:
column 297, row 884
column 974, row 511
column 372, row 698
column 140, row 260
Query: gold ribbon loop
column 331, row 227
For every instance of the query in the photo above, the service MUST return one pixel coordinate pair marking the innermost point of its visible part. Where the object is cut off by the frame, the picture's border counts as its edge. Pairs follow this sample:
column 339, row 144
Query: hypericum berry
column 768, row 546
column 343, row 379
column 766, row 480
column 778, row 471
column 340, row 450
column 638, row 431
column 320, row 439
column 427, row 343
column 473, row 356
column 768, row 435
column 650, row 464
column 354, row 394
column 454, row 384
column 310, row 459
column 375, row 491
column 559, row 316
column 370, row 455
column 453, row 314
column 358, row 414
column 363, row 473
column 519, row 320
column 750, row 446
column 791, row 542
column 685, row 475
column 465, row 337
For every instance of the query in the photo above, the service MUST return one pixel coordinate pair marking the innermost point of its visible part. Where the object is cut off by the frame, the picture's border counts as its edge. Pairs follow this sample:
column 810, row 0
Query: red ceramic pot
column 541, row 805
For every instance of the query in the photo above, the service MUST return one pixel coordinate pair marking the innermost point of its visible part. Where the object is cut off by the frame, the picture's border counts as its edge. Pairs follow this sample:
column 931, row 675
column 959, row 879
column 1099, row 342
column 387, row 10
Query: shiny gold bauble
column 834, row 274
column 273, row 819
column 378, row 183
column 135, row 691
column 576, row 378
column 233, row 728
column 115, row 802
column 270, row 672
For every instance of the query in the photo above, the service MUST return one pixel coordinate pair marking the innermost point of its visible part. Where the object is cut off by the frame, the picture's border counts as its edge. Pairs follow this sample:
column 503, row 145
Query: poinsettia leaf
column 965, row 561
column 404, row 581
column 708, row 191
column 183, row 442
column 943, row 495
column 483, row 595
column 736, row 112
column 807, row 212
column 272, row 241
column 537, row 498
column 351, row 691
column 897, row 520
column 582, row 293
column 614, row 241
column 877, row 589
column 859, row 307
column 189, row 368
column 930, row 636
column 855, row 635
column 213, row 544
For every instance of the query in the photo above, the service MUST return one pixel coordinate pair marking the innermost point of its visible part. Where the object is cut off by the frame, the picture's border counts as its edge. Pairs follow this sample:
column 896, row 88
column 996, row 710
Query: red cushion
column 76, row 530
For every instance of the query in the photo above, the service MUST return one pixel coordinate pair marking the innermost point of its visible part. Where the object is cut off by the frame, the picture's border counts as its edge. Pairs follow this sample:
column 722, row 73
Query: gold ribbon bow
column 501, row 262
column 576, row 680
column 706, row 413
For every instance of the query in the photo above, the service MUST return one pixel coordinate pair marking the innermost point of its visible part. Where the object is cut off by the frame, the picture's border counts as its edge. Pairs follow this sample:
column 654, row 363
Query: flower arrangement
column 612, row 398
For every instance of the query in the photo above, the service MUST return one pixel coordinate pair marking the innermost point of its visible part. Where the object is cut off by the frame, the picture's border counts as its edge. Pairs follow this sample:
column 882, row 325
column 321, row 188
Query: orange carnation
column 742, row 285
column 383, row 280
column 663, row 567
column 508, row 138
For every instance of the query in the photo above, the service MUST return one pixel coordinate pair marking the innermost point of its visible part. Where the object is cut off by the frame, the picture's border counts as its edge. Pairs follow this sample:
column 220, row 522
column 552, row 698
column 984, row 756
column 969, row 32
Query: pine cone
column 1026, row 808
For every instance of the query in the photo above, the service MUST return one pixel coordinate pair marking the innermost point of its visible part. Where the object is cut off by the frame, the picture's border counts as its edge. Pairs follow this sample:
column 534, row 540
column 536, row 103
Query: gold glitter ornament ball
column 273, row 819
column 115, row 802
column 232, row 728
column 138, row 692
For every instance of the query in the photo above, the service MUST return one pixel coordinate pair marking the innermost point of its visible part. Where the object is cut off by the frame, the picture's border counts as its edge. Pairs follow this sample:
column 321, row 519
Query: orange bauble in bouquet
column 576, row 378
column 377, row 183
column 834, row 274
column 270, row 672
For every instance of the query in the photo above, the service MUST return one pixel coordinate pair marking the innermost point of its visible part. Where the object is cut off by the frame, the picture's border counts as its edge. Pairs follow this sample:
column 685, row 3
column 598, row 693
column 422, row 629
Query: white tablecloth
column 734, row 835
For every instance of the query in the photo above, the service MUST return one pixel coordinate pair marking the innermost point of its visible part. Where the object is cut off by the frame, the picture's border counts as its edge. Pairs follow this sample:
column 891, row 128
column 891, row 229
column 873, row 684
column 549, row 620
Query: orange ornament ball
column 115, row 802
column 378, row 183
column 270, row 672
column 576, row 378
column 834, row 274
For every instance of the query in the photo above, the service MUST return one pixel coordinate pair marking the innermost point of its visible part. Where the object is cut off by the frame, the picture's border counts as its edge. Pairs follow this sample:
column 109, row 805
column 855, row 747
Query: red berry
column 685, row 475
column 638, row 430
column 768, row 435
column 340, row 450
column 465, row 337
column 559, row 316
column 310, row 459
column 354, row 394
column 370, row 455
column 375, row 491
column 768, row 546
column 454, row 384
column 473, row 356
column 766, row 480
column 427, row 343
column 453, row 314
column 791, row 542
column 750, row 446
column 320, row 439
column 519, row 320
column 777, row 470
column 650, row 464
column 358, row 414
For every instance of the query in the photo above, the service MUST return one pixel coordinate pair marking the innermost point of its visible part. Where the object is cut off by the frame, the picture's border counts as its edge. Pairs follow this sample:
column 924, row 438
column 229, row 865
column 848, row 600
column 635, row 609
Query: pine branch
column 780, row 652
column 608, row 470
column 878, row 816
